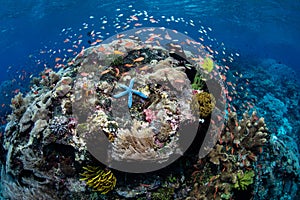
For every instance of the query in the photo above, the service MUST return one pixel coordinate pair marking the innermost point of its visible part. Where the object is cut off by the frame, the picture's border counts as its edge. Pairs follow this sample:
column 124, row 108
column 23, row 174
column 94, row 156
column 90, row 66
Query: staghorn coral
column 98, row 179
column 203, row 103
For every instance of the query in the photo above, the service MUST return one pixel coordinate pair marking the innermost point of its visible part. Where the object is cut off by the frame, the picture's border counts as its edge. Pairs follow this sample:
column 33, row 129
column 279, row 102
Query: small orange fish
column 93, row 43
column 48, row 71
column 153, row 20
column 139, row 59
column 105, row 72
column 128, row 65
column 16, row 91
column 57, row 59
column 117, row 72
column 134, row 17
column 66, row 40
column 167, row 36
column 84, row 74
column 120, row 36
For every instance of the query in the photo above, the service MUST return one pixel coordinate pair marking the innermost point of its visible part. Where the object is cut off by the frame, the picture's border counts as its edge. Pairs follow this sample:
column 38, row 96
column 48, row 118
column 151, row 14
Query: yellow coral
column 100, row 180
column 203, row 103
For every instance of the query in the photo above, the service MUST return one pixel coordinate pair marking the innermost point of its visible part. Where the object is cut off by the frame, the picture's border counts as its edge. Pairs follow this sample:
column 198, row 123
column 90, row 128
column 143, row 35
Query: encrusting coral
column 101, row 180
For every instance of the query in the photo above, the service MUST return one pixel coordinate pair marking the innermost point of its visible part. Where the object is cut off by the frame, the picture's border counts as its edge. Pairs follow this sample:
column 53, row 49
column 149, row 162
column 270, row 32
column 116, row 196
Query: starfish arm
column 131, row 83
column 121, row 94
column 129, row 100
column 123, row 86
column 140, row 94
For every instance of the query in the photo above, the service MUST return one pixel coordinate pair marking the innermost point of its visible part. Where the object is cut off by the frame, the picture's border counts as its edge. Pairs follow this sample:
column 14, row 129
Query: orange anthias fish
column 139, row 59
column 57, row 59
column 134, row 17
column 84, row 74
column 128, row 65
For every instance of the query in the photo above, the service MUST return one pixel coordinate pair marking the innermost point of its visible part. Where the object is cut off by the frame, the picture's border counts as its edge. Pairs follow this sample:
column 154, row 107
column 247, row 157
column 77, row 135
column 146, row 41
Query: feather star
column 129, row 91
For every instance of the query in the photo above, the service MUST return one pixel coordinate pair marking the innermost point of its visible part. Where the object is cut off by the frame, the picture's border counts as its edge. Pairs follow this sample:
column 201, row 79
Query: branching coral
column 231, row 162
column 198, row 82
column 100, row 180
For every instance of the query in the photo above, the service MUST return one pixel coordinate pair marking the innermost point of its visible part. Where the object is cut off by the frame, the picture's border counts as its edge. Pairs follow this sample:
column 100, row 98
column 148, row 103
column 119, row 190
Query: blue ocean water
column 260, row 35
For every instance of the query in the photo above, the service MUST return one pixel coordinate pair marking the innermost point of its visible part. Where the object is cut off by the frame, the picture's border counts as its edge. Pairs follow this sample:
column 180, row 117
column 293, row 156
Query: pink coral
column 150, row 115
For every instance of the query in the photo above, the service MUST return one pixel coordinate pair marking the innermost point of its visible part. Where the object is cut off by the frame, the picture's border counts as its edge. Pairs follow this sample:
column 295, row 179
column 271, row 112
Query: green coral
column 244, row 180
column 198, row 82
column 163, row 194
column 208, row 64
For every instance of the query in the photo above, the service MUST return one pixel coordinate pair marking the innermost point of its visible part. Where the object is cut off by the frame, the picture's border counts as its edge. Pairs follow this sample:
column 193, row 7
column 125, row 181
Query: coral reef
column 278, row 170
column 45, row 140
column 51, row 145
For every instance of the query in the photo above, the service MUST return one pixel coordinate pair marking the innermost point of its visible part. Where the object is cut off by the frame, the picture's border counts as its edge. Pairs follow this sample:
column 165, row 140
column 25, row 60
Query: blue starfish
column 129, row 91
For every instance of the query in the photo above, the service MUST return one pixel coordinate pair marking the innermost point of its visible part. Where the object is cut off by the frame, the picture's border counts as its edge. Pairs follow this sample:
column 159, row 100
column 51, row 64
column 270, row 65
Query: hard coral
column 59, row 125
column 100, row 180
column 230, row 165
